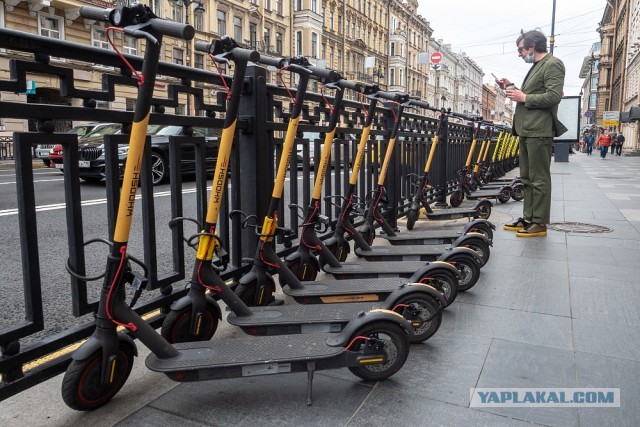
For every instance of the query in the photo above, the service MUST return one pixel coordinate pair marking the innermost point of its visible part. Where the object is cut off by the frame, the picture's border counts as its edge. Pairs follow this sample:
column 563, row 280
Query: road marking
column 93, row 202
column 36, row 180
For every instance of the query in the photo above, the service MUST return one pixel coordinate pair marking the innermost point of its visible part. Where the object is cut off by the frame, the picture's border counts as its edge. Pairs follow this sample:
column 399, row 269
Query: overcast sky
column 487, row 30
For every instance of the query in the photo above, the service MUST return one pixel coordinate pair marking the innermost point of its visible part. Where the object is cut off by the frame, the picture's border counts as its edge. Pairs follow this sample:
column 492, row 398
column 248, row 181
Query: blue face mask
column 528, row 58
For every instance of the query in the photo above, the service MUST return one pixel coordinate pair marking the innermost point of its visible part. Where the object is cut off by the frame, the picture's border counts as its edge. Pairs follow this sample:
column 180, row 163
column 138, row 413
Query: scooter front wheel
column 470, row 271
column 504, row 195
column 368, row 235
column 456, row 198
column 253, row 296
column 481, row 247
column 423, row 312
column 339, row 250
column 305, row 271
column 176, row 327
column 517, row 193
column 82, row 388
column 412, row 217
column 484, row 210
column 396, row 347
column 445, row 283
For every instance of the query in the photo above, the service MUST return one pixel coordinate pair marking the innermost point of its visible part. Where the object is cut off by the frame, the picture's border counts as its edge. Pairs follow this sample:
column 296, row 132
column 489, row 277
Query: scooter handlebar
column 366, row 89
column 324, row 74
column 465, row 117
column 422, row 104
column 395, row 97
column 137, row 14
column 227, row 46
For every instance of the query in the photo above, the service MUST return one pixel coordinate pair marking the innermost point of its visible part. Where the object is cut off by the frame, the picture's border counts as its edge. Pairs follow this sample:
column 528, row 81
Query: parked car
column 92, row 159
column 42, row 150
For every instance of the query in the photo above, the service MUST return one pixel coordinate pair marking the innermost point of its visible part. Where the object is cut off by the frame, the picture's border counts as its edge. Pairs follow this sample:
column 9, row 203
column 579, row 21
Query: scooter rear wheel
column 504, row 195
column 517, row 193
column 445, row 283
column 176, row 327
column 484, row 209
column 481, row 248
column 82, row 389
column 484, row 229
column 248, row 292
column 368, row 235
column 412, row 217
column 456, row 198
column 429, row 317
column 396, row 347
column 470, row 271
column 307, row 271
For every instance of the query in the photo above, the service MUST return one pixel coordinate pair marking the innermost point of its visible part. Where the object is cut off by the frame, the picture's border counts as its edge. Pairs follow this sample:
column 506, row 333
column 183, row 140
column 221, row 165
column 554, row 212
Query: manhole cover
column 579, row 227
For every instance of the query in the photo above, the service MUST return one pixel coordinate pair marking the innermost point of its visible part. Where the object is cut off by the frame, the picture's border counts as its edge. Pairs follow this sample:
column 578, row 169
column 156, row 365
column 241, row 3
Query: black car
column 92, row 161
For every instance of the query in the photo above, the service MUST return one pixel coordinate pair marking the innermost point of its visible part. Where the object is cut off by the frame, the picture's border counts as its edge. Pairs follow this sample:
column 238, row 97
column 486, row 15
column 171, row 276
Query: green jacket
column 538, row 117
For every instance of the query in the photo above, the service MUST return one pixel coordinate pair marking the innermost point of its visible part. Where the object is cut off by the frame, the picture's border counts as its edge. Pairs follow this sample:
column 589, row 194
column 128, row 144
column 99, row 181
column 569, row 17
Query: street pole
column 553, row 27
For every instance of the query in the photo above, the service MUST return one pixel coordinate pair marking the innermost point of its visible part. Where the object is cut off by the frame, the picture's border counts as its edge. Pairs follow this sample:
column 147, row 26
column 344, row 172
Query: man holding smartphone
column 536, row 122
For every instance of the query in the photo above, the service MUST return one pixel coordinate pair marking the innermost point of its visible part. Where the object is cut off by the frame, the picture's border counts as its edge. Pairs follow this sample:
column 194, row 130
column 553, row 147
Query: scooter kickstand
column 311, row 367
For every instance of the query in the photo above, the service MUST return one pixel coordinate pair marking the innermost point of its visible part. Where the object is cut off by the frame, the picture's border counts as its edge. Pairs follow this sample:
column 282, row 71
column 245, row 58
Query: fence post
column 254, row 161
column 441, row 201
column 393, row 178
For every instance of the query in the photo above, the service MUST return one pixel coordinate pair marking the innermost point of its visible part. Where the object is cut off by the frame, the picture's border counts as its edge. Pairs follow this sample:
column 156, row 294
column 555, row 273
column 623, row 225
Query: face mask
column 528, row 58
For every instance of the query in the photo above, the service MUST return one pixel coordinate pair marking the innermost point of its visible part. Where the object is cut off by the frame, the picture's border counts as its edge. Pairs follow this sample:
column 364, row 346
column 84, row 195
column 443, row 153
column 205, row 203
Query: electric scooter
column 373, row 346
column 195, row 316
column 305, row 265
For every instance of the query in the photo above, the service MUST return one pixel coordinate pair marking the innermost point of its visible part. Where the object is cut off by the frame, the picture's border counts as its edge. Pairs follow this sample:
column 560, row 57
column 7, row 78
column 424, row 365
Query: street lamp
column 198, row 9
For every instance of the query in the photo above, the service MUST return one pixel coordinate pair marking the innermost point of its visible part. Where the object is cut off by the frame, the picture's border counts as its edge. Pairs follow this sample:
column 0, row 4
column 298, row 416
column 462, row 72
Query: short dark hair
column 533, row 39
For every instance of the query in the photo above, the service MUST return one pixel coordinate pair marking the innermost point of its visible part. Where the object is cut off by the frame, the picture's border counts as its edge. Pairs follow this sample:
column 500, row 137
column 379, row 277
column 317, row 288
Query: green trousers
column 535, row 172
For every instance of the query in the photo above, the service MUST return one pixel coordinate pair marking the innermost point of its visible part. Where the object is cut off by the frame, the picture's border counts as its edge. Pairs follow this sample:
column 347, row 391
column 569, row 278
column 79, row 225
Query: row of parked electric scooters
column 364, row 320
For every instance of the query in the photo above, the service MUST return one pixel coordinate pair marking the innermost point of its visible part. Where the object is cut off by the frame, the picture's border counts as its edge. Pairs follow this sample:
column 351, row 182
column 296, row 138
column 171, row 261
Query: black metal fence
column 263, row 117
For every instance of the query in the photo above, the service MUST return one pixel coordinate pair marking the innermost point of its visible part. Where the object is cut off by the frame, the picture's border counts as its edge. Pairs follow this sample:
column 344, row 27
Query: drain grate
column 579, row 227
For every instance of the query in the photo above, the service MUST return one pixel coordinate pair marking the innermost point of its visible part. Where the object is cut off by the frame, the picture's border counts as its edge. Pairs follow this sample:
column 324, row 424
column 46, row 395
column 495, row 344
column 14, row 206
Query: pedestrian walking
column 536, row 122
column 613, row 136
column 619, row 142
column 589, row 140
column 604, row 142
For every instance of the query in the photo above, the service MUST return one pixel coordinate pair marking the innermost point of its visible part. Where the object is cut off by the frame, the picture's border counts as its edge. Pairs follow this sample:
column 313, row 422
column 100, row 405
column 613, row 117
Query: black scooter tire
column 445, row 282
column 341, row 252
column 484, row 229
column 504, row 195
column 396, row 346
column 81, row 387
column 456, row 198
column 368, row 236
column 481, row 248
column 517, row 193
column 484, row 210
column 470, row 270
column 176, row 326
column 412, row 217
column 430, row 317
column 247, row 292
column 306, row 272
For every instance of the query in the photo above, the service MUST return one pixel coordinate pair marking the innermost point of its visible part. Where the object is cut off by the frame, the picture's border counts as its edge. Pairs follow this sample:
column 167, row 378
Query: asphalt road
column 53, row 246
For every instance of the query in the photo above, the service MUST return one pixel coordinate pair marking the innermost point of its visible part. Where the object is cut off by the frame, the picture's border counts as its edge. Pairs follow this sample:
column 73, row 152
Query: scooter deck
column 403, row 253
column 299, row 318
column 426, row 237
column 254, row 355
column 453, row 213
column 353, row 290
column 374, row 270
column 483, row 194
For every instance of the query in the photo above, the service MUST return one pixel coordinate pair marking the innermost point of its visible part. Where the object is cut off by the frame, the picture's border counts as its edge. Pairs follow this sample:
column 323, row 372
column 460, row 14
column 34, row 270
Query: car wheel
column 47, row 162
column 159, row 168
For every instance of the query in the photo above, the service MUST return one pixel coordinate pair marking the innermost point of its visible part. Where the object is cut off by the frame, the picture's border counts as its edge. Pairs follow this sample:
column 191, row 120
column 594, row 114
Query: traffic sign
column 610, row 118
column 587, row 114
column 436, row 57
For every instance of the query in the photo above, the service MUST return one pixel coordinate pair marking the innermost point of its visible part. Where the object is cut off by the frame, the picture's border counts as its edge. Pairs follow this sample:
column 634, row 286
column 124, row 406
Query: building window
column 298, row 43
column 331, row 57
column 177, row 12
column 339, row 22
column 130, row 45
column 222, row 23
column 198, row 60
column 592, row 101
column 253, row 36
column 331, row 21
column 392, row 76
column 237, row 29
column 178, row 56
column 198, row 21
column 255, row 2
column 267, row 4
column 279, row 43
column 298, row 5
column 393, row 49
column 314, row 45
column 401, row 82
column 279, row 7
column 267, row 39
column 156, row 7
column 99, row 38
column 339, row 58
column 314, row 6
column 51, row 26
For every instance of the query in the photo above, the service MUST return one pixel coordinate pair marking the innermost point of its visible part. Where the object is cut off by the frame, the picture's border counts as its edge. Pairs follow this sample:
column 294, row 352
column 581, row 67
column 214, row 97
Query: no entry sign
column 436, row 57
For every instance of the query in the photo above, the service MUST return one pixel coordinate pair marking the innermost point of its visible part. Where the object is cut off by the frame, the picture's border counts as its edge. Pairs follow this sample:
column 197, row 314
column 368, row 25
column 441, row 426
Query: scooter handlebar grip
column 273, row 61
column 203, row 46
column 395, row 97
column 324, row 73
column 173, row 29
column 246, row 55
column 96, row 13
column 422, row 104
column 350, row 84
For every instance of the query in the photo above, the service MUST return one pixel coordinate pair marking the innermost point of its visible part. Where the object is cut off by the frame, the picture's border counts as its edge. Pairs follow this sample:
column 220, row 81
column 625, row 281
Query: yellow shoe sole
column 511, row 228
column 538, row 234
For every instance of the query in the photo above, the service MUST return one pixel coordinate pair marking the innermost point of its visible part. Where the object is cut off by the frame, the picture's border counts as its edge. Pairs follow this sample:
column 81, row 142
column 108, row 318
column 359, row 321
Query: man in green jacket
column 536, row 121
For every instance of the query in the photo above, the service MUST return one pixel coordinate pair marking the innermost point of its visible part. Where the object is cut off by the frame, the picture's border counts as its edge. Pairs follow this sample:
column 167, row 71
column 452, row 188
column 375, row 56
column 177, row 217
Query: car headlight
column 123, row 150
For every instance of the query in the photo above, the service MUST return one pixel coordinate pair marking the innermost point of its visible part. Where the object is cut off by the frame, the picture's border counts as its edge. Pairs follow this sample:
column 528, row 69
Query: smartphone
column 495, row 77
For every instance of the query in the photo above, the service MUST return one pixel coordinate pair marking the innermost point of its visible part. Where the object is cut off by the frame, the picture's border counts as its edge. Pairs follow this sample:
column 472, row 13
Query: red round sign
column 436, row 57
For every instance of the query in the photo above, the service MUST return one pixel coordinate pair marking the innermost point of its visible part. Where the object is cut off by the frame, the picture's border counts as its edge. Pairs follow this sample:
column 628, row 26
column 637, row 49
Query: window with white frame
column 314, row 45
column 267, row 38
column 298, row 5
column 279, row 7
column 99, row 38
column 177, row 12
column 237, row 28
column 222, row 23
column 314, row 6
column 267, row 4
column 156, row 7
column 51, row 26
column 392, row 76
column 279, row 43
column 253, row 35
column 298, row 43
column 198, row 20
column 178, row 56
column 198, row 60
column 130, row 45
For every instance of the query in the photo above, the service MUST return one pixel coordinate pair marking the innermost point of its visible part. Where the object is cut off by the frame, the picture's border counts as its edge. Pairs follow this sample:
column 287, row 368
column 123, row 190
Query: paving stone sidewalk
column 560, row 311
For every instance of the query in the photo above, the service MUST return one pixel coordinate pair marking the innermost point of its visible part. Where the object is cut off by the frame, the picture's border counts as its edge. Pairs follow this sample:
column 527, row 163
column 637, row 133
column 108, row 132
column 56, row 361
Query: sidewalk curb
column 10, row 164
